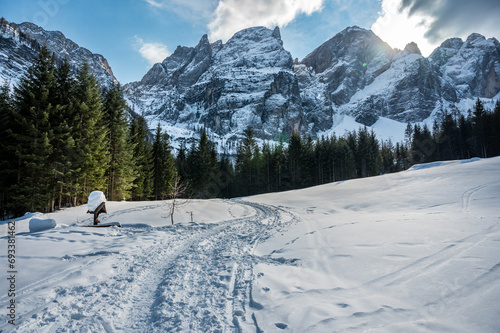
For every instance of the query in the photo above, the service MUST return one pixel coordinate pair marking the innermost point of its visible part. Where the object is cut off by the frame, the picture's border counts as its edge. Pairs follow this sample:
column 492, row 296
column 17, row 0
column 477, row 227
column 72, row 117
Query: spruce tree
column 120, row 172
column 247, row 163
column 63, row 155
column 142, row 159
column 163, row 165
column 202, row 168
column 32, row 136
column 90, row 135
column 8, row 160
column 479, row 131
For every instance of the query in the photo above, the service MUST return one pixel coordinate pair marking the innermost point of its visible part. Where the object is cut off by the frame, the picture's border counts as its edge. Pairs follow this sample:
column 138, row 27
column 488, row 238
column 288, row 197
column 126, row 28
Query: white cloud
column 398, row 28
column 152, row 52
column 430, row 22
column 231, row 16
column 195, row 11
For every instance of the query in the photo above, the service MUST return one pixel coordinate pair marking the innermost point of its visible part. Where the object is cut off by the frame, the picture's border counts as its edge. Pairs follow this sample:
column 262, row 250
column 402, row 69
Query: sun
column 398, row 28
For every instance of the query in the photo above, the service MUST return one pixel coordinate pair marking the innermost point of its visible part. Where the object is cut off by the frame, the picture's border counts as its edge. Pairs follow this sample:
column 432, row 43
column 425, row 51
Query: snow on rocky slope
column 416, row 251
column 251, row 80
column 248, row 81
column 19, row 44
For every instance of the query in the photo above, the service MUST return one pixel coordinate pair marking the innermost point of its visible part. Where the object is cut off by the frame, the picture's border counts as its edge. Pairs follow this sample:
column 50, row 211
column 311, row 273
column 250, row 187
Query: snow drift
column 37, row 224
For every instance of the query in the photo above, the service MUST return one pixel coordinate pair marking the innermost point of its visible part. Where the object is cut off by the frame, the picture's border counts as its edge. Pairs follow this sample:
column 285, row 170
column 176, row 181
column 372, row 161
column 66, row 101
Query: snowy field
column 417, row 251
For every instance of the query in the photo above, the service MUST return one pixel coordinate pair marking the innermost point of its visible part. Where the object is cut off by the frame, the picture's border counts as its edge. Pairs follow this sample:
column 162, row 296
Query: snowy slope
column 19, row 44
column 416, row 251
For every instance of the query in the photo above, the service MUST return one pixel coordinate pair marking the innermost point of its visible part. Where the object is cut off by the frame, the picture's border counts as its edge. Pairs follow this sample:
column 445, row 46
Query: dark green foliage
column 202, row 169
column 142, row 159
column 163, row 165
column 8, row 161
column 90, row 134
column 460, row 137
column 120, row 171
column 32, row 136
column 60, row 139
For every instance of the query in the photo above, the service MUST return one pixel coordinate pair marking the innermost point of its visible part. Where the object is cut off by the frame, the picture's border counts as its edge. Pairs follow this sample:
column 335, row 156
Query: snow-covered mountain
column 225, row 87
column 251, row 80
column 19, row 45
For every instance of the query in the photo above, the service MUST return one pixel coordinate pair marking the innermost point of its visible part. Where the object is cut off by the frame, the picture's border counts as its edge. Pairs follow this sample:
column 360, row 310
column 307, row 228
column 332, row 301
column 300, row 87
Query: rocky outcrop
column 20, row 44
column 472, row 67
column 252, row 80
column 224, row 87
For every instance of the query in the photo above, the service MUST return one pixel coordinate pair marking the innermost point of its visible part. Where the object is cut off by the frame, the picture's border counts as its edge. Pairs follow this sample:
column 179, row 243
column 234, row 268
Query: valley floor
column 417, row 251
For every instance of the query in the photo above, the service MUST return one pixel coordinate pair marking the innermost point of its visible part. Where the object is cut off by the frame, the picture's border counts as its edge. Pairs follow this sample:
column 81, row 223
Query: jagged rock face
column 225, row 87
column 473, row 66
column 348, row 62
column 251, row 80
column 355, row 73
column 19, row 44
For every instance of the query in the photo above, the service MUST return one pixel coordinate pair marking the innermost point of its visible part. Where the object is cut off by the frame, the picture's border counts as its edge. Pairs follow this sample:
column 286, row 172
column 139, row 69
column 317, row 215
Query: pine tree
column 8, row 160
column 90, row 135
column 32, row 135
column 202, row 168
column 163, row 165
column 120, row 172
column 247, row 163
column 479, row 128
column 294, row 159
column 63, row 155
column 142, row 159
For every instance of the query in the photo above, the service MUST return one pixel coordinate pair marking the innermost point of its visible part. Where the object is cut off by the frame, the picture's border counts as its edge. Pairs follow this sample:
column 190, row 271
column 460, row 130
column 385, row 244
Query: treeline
column 61, row 137
column 457, row 136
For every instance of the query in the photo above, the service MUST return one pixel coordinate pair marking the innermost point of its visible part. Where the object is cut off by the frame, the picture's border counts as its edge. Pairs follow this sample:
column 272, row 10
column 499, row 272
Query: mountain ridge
column 22, row 41
column 252, row 80
column 353, row 74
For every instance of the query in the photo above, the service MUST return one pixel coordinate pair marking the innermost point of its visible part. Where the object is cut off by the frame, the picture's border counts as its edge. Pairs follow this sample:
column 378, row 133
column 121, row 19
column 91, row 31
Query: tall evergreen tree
column 8, row 160
column 32, row 135
column 142, row 159
column 63, row 155
column 247, row 164
column 203, row 168
column 479, row 128
column 120, row 172
column 163, row 165
column 90, row 135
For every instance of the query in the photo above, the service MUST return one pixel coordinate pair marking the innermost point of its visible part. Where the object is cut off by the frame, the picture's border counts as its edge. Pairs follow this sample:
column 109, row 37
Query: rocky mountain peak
column 351, row 44
column 412, row 48
column 21, row 52
column 475, row 37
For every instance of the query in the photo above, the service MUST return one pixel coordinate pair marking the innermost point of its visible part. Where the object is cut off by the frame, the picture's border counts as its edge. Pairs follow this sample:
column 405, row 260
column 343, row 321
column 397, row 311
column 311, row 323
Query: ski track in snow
column 198, row 280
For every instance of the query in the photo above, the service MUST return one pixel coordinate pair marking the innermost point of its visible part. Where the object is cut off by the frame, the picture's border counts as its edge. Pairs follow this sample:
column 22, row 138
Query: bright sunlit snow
column 416, row 251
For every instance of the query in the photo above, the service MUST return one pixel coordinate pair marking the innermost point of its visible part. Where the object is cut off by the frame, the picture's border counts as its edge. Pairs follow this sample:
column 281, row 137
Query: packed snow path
column 193, row 277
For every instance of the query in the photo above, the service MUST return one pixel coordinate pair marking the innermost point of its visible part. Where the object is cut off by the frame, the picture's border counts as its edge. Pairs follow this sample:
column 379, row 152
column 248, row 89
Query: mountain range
column 252, row 80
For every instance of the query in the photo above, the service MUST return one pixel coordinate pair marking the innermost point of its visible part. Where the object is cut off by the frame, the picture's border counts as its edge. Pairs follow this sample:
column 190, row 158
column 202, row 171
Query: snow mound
column 95, row 199
column 37, row 224
column 441, row 163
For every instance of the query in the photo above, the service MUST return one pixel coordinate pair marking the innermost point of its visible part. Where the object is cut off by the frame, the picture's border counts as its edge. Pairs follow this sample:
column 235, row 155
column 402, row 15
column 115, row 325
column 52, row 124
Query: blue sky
column 134, row 34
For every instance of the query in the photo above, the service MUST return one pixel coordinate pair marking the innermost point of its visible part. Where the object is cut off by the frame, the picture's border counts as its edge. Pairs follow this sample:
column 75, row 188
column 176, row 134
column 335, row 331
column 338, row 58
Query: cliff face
column 249, row 81
column 19, row 45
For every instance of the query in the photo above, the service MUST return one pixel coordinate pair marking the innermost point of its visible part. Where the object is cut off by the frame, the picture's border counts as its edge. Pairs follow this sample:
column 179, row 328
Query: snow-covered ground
column 417, row 251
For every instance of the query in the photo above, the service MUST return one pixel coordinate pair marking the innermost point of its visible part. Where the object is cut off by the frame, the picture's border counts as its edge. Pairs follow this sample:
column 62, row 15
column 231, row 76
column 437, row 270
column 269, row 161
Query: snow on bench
column 95, row 199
